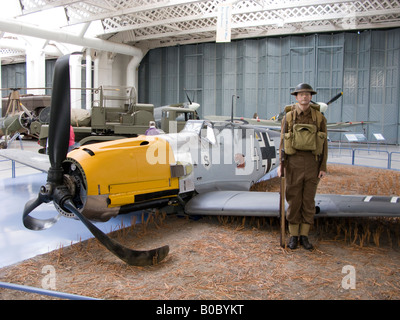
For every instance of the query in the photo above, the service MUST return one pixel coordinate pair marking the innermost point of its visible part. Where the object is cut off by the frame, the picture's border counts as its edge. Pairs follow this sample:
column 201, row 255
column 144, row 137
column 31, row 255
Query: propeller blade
column 335, row 98
column 60, row 117
column 33, row 223
column 55, row 189
column 187, row 96
column 58, row 144
column 131, row 257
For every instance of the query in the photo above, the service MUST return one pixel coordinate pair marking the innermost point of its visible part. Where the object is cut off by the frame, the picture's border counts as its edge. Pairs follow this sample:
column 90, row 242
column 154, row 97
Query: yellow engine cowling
column 125, row 172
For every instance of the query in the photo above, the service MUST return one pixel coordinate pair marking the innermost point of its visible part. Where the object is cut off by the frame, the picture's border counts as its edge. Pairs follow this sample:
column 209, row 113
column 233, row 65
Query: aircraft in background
column 274, row 123
column 323, row 107
column 206, row 169
column 177, row 113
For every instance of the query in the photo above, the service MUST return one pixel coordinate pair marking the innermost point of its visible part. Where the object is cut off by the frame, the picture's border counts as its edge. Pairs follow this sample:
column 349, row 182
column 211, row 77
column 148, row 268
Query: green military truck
column 115, row 115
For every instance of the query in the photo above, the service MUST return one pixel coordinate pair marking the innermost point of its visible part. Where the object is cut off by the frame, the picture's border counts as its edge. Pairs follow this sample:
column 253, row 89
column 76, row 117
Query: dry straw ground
column 237, row 258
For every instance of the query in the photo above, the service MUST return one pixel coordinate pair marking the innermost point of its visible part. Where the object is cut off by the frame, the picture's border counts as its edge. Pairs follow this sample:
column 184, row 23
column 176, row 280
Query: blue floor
column 18, row 243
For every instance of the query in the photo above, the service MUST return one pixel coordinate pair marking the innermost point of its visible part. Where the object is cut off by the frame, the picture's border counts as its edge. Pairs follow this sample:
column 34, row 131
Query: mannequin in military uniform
column 305, row 162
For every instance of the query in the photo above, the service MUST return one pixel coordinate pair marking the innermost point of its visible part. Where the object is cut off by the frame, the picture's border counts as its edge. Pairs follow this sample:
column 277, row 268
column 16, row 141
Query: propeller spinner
column 59, row 191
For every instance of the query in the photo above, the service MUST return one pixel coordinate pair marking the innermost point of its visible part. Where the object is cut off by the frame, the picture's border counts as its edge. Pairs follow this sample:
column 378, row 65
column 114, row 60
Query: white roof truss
column 155, row 23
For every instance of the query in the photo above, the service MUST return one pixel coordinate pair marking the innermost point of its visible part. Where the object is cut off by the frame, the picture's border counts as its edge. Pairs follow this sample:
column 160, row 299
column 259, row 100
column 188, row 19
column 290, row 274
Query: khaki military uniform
column 301, row 172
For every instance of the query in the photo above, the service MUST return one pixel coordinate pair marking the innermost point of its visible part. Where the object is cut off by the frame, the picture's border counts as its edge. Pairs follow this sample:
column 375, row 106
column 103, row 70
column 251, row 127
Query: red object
column 71, row 136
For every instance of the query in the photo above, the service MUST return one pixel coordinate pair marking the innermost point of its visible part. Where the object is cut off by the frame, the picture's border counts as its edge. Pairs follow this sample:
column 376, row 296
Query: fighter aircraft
column 206, row 169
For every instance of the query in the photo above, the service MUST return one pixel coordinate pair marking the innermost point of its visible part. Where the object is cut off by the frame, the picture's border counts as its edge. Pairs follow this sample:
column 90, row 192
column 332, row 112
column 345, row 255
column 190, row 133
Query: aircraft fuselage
column 150, row 171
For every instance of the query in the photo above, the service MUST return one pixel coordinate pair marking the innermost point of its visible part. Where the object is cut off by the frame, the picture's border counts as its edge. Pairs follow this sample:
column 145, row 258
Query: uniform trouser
column 302, row 170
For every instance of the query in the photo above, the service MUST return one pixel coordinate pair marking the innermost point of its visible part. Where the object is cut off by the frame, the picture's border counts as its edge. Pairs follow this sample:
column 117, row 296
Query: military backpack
column 304, row 137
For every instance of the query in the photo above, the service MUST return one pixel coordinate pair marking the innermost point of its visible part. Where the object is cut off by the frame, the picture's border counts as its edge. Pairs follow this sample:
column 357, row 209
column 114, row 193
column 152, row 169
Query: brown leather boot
column 304, row 242
column 293, row 242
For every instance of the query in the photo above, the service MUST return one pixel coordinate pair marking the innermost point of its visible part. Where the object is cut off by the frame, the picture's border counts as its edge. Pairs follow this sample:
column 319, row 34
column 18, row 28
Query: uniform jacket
column 306, row 118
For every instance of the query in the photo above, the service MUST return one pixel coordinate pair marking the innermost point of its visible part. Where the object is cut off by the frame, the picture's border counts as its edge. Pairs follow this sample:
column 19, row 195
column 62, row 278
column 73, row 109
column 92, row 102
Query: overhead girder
column 163, row 23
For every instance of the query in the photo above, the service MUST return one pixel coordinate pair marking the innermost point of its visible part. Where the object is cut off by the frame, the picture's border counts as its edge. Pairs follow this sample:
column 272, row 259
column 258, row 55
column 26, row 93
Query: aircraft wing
column 276, row 125
column 255, row 122
column 357, row 206
column 340, row 125
column 234, row 203
column 266, row 204
column 32, row 159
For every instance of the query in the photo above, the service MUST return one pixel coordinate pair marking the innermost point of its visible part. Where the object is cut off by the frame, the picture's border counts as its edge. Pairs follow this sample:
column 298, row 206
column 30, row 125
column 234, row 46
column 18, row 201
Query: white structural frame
column 157, row 23
column 131, row 27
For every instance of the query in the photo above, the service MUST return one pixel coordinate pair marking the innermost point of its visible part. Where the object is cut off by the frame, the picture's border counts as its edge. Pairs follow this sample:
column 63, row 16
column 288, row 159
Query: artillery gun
column 18, row 113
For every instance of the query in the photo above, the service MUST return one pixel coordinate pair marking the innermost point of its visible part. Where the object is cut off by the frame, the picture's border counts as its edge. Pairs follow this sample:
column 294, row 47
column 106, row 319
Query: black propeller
column 335, row 98
column 187, row 96
column 55, row 190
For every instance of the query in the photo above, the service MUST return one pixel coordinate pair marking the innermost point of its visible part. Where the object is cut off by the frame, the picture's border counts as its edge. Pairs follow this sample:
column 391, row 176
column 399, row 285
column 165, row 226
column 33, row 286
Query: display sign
column 224, row 21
